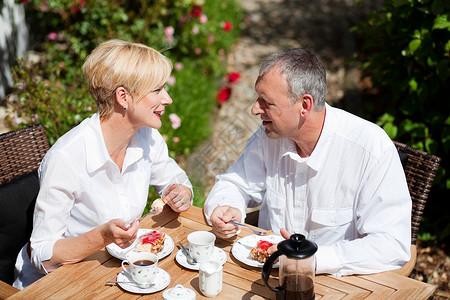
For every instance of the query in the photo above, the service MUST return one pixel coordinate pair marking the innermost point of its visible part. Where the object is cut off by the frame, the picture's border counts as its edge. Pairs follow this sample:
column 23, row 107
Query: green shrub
column 406, row 55
column 195, row 34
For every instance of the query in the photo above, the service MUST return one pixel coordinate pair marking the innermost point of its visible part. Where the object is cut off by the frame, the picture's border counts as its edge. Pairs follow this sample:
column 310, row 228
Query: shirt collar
column 136, row 149
column 97, row 154
column 317, row 158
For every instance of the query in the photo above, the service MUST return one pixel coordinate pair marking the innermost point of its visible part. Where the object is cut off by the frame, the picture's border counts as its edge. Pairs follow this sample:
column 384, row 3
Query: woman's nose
column 165, row 98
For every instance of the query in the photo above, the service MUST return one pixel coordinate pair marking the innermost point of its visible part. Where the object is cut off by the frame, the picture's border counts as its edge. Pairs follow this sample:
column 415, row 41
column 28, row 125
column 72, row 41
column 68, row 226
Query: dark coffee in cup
column 143, row 262
column 301, row 288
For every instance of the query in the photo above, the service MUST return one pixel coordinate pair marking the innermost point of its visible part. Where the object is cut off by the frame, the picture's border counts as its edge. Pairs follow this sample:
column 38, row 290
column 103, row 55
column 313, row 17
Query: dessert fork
column 260, row 233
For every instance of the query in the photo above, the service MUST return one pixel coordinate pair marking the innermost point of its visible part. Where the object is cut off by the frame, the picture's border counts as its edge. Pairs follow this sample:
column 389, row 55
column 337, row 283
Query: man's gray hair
column 303, row 71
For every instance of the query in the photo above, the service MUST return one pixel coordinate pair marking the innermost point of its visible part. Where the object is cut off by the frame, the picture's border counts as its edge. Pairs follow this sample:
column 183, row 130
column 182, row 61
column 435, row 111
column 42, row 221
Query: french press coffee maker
column 296, row 270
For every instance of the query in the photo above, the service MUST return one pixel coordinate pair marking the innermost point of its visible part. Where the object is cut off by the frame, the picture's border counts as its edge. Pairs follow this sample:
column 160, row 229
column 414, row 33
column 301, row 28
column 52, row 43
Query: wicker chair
column 21, row 152
column 420, row 169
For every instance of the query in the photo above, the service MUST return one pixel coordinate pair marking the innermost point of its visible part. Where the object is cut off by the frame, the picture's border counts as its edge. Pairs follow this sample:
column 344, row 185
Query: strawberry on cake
column 151, row 242
column 260, row 253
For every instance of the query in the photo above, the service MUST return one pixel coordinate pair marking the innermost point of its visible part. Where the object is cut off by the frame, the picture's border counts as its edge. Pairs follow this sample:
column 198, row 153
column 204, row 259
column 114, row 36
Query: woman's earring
column 125, row 108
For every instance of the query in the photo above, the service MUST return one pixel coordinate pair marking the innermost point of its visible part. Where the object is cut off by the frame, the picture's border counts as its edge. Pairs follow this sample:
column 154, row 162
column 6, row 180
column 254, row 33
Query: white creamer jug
column 210, row 278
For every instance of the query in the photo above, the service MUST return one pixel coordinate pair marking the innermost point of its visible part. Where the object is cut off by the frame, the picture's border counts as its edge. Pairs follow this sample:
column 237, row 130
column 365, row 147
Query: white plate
column 241, row 248
column 218, row 255
column 120, row 253
column 162, row 280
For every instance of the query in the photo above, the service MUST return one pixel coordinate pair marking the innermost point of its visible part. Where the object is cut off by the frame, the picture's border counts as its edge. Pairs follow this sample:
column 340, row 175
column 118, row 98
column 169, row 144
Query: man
column 318, row 171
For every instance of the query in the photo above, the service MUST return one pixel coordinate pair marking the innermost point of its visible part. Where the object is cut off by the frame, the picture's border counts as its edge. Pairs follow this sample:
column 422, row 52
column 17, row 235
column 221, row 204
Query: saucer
column 218, row 255
column 162, row 280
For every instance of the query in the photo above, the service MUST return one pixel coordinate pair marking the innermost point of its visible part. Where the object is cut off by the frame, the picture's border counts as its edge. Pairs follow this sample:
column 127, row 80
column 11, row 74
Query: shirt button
column 332, row 220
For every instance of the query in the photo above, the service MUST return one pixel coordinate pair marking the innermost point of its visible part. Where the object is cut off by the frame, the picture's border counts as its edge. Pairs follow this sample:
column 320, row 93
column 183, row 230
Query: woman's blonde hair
column 115, row 63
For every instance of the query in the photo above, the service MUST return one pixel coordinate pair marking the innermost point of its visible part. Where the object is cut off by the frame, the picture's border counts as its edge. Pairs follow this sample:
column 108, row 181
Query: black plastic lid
column 297, row 247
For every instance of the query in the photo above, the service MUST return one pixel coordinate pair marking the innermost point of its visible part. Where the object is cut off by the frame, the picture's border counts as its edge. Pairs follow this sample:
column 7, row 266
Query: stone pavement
column 271, row 25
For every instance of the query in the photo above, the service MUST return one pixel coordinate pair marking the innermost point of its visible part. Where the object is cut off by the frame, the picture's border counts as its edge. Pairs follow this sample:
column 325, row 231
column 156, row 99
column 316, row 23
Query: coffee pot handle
column 265, row 273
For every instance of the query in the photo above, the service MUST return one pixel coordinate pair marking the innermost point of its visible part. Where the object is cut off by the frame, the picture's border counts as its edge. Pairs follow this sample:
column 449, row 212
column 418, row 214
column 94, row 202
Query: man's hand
column 178, row 197
column 285, row 234
column 222, row 228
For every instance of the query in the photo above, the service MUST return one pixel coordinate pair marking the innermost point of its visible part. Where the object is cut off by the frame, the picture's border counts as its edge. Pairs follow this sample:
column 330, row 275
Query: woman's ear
column 122, row 97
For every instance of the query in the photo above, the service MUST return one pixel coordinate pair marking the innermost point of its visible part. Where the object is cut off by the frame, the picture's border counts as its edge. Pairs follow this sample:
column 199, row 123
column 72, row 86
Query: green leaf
column 413, row 84
column 447, row 46
column 385, row 118
column 398, row 3
column 447, row 121
column 441, row 22
column 414, row 45
column 391, row 130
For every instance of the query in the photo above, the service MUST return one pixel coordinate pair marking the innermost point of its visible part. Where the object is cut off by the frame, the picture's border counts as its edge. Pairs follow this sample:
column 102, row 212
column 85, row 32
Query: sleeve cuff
column 327, row 260
column 41, row 255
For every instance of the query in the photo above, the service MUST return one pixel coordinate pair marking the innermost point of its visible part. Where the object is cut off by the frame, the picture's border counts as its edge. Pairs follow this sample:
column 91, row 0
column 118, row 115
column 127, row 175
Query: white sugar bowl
column 179, row 292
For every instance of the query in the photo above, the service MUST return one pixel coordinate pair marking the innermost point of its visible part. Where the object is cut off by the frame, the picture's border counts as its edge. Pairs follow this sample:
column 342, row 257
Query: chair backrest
column 420, row 169
column 21, row 152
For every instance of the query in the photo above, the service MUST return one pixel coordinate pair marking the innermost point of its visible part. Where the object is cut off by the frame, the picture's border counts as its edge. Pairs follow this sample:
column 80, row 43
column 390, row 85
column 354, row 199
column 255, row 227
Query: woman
column 95, row 179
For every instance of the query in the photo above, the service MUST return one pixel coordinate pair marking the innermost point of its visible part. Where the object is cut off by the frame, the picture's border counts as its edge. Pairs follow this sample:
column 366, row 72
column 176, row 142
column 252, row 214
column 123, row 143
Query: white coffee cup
column 201, row 245
column 143, row 267
column 211, row 278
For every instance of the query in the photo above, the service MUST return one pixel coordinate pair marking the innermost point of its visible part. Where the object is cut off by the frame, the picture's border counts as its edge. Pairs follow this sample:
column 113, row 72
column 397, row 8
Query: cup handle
column 123, row 267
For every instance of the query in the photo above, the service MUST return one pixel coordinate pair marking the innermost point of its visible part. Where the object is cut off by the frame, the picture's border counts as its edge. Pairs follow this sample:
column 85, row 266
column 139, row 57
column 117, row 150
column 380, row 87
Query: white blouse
column 82, row 188
column 350, row 196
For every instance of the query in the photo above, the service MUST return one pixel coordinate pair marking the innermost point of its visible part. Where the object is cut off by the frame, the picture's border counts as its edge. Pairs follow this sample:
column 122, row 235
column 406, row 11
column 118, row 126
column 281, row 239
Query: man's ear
column 122, row 97
column 306, row 103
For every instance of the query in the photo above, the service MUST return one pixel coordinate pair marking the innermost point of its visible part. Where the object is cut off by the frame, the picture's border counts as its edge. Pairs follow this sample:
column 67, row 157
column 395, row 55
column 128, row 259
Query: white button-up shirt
column 82, row 188
column 350, row 195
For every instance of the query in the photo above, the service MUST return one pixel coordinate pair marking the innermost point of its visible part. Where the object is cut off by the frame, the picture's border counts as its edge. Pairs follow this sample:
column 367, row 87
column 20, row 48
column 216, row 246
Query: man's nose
column 256, row 108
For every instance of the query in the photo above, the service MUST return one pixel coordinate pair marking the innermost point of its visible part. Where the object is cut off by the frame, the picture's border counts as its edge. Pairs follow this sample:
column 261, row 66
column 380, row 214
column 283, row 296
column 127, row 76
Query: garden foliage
column 406, row 55
column 195, row 34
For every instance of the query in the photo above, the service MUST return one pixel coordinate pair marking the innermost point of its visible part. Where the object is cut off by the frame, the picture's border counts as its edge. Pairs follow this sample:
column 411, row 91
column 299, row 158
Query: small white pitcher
column 210, row 278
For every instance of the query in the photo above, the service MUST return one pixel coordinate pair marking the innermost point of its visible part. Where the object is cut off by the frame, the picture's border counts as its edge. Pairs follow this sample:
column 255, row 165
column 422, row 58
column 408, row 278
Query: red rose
column 224, row 94
column 234, row 77
column 76, row 7
column 227, row 26
column 196, row 11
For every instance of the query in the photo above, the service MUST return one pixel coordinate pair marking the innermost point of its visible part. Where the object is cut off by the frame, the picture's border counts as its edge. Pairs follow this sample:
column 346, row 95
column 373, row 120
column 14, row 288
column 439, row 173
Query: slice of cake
column 158, row 203
column 260, row 253
column 157, row 206
column 151, row 242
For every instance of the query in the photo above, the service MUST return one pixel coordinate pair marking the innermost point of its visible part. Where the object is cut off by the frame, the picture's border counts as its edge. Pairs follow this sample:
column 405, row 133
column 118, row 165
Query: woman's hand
column 178, row 197
column 74, row 249
column 119, row 232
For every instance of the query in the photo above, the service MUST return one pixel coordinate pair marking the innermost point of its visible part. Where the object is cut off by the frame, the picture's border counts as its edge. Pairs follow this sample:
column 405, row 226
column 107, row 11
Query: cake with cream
column 260, row 253
column 151, row 242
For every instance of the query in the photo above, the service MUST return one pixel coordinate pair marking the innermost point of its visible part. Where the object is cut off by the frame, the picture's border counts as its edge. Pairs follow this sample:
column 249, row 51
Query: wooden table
column 86, row 279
